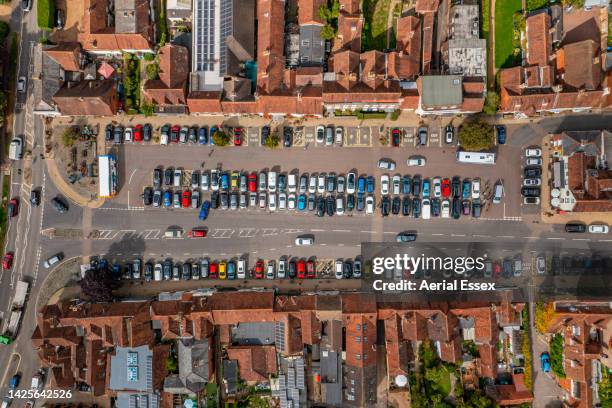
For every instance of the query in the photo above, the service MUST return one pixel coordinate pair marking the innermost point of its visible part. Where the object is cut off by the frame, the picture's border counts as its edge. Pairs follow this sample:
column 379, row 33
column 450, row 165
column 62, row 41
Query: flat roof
column 441, row 90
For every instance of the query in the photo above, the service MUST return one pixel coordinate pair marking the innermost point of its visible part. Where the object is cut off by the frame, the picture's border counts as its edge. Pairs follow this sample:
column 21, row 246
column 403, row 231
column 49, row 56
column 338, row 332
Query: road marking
column 555, row 238
column 341, row 230
column 506, row 236
column 457, row 235
column 605, row 240
column 132, row 175
column 317, row 230
column 367, row 232
column 581, row 239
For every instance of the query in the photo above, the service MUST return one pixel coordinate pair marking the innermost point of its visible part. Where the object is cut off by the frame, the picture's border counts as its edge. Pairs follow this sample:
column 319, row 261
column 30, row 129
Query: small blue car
column 361, row 182
column 224, row 181
column 301, row 202
column 204, row 210
column 501, row 134
column 370, row 184
column 203, row 135
column 167, row 199
column 426, row 188
column 466, row 189
column 545, row 361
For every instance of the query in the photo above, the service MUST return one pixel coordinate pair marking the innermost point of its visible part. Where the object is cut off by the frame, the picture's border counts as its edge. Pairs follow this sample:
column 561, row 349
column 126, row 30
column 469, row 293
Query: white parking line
column 555, row 238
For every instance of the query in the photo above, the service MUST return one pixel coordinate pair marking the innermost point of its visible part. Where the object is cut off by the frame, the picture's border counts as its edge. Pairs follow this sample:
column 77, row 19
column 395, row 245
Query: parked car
column 501, row 134
column 7, row 260
column 449, row 134
column 545, row 362
column 386, row 164
column 422, row 140
column 575, row 227
column 419, row 161
column 59, row 205
column 533, row 152
column 395, row 137
column 598, row 229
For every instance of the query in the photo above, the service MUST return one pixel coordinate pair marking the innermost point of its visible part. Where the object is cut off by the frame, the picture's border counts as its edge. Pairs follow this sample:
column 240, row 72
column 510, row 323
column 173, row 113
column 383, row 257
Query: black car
column 456, row 210
column 118, row 134
column 396, row 205
column 360, row 202
column 287, row 136
column 214, row 200
column 476, row 209
column 406, row 185
column 186, row 271
column 533, row 172
column 435, row 207
column 530, row 191
column 147, row 132
column 265, row 132
column 507, row 268
column 157, row 177
column 384, row 206
column 456, row 187
column 406, row 205
column 148, row 272
column 320, row 206
column 331, row 205
column 416, row 207
column 416, row 186
column 224, row 200
column 350, row 202
column 147, row 196
column 59, row 205
column 347, row 270
column 108, row 134
column 35, row 198
column 169, row 176
column 575, row 227
column 291, row 272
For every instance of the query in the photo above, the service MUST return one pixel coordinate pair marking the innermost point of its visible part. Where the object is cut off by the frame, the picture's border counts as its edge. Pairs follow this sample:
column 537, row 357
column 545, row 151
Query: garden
column 375, row 25
column 508, row 24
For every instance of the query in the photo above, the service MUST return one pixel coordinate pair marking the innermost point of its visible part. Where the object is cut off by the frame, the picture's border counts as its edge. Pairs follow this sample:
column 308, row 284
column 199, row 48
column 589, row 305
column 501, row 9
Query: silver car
column 386, row 164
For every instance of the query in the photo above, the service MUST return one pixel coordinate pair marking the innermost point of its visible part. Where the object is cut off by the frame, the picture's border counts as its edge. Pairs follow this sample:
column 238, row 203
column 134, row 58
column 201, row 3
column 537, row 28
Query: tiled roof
column 349, row 32
column 173, row 65
column 428, row 27
column 511, row 395
column 66, row 55
column 270, row 45
column 255, row 363
column 308, row 11
column 539, row 41
column 587, row 74
column 360, row 339
column 425, row 6
column 349, row 6
column 96, row 98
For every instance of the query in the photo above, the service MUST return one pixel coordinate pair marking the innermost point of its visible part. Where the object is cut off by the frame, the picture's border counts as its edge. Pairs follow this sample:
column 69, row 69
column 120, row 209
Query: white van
column 292, row 183
column 498, row 194
column 426, row 209
column 173, row 233
column 16, row 148
column 271, row 181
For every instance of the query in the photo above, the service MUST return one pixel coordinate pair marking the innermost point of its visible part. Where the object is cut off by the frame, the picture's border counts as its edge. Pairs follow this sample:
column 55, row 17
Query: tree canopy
column 98, row 285
column 476, row 136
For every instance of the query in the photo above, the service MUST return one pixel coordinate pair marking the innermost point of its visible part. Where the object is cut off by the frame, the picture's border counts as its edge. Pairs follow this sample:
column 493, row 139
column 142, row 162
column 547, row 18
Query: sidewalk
column 68, row 191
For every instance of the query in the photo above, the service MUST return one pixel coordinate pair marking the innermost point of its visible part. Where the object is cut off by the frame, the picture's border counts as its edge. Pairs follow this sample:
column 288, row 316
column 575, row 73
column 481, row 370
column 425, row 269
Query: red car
column 238, row 137
column 253, row 182
column 13, row 208
column 259, row 268
column 212, row 271
column 497, row 269
column 138, row 133
column 446, row 188
column 174, row 134
column 186, row 198
column 301, row 269
column 310, row 270
column 7, row 261
column 395, row 137
column 197, row 233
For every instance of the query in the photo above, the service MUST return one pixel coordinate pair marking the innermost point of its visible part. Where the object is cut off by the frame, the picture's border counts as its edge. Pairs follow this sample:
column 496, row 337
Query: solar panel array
column 204, row 39
column 299, row 372
column 226, row 31
column 149, row 373
column 279, row 336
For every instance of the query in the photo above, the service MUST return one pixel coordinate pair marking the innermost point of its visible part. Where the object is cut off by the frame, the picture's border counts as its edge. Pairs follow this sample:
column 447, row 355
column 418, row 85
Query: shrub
column 556, row 355
column 45, row 10
column 544, row 314
column 272, row 140
column 147, row 109
column 4, row 30
column 148, row 57
column 491, row 104
column 395, row 114
column 152, row 71
column 221, row 138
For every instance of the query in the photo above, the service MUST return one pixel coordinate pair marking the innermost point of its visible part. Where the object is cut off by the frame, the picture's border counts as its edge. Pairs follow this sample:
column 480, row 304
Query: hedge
column 45, row 10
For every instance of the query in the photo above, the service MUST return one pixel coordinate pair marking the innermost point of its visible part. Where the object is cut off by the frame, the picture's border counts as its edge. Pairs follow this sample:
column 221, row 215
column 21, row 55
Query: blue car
column 426, row 188
column 213, row 130
column 545, row 361
column 231, row 270
column 361, row 182
column 466, row 189
column 167, row 199
column 224, row 181
column 203, row 135
column 117, row 270
column 406, row 185
column 501, row 134
column 301, row 202
column 370, row 184
column 204, row 210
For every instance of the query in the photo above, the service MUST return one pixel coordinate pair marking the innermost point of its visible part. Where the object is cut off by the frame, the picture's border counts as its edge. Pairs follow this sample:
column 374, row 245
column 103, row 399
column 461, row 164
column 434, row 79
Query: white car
column 384, row 184
column 312, row 184
column 270, row 273
column 263, row 181
column 52, row 260
column 282, row 267
column 320, row 134
column 291, row 183
column 163, row 140
column 272, row 201
column 476, row 189
column 178, row 176
column 369, row 204
column 533, row 161
column 241, row 269
column 214, row 180
column 339, row 205
column 437, row 187
column 157, row 272
column 386, row 164
column 351, row 181
column 339, row 135
column 282, row 201
column 321, row 183
column 291, row 200
column 271, row 181
column 304, row 241
column 426, row 209
column 533, row 152
column 598, row 229
column 532, row 182
column 396, row 184
column 21, row 84
column 445, row 209
column 338, row 269
column 419, row 161
column 253, row 200
column 127, row 134
column 205, row 181
column 262, row 200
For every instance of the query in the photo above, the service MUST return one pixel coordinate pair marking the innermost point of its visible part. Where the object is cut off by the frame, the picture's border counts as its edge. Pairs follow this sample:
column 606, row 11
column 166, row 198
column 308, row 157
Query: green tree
column 152, row 71
column 491, row 104
column 171, row 364
column 476, row 136
column 221, row 138
column 556, row 355
column 69, row 137
column 272, row 140
column 148, row 57
column 605, row 389
column 328, row 32
column 4, row 31
column 574, row 3
column 147, row 109
column 98, row 285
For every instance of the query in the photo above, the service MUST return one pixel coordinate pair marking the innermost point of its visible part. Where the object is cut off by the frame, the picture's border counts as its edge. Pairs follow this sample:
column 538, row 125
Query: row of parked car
column 532, row 172
column 205, row 268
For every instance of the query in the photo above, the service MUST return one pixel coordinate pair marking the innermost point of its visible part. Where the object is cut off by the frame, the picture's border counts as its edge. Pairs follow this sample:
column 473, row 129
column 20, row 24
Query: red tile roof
column 428, row 27
column 67, row 55
column 270, row 45
column 426, row 6
column 349, row 32
column 88, row 98
column 587, row 74
column 173, row 65
column 539, row 39
column 308, row 11
column 350, row 6
column 360, row 339
column 511, row 395
column 255, row 363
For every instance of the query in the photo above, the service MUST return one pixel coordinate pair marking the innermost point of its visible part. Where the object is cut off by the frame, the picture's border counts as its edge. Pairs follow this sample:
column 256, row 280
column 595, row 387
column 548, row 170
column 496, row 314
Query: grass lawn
column 445, row 384
column 45, row 10
column 374, row 34
column 504, row 30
